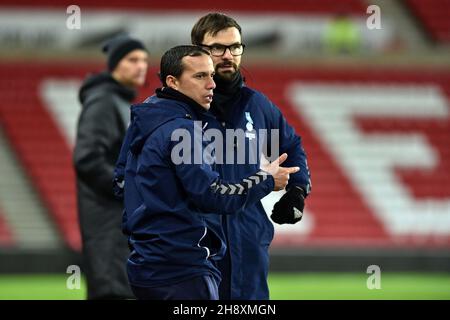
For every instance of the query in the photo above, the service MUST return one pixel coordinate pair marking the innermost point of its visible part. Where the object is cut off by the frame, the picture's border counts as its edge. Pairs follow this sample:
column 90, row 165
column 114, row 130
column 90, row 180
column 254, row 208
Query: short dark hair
column 171, row 61
column 212, row 23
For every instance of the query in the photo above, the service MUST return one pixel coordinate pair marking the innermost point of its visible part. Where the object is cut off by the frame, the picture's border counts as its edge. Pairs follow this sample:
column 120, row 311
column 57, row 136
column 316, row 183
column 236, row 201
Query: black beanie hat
column 118, row 47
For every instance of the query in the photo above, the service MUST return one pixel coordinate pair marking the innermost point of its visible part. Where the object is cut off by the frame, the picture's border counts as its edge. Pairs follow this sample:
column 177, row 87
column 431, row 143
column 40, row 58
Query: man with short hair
column 105, row 99
column 168, row 201
column 238, row 107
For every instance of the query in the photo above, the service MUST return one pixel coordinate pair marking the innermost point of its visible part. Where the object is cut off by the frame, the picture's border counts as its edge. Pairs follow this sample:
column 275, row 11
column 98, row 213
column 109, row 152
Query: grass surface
column 331, row 286
column 283, row 286
column 38, row 287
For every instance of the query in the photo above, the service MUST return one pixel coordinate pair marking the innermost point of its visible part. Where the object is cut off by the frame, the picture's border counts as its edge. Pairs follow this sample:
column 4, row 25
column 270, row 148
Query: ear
column 172, row 82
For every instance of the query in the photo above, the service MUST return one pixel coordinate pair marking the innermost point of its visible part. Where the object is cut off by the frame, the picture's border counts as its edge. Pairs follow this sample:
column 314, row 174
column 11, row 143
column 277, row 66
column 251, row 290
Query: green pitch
column 297, row 286
column 343, row 286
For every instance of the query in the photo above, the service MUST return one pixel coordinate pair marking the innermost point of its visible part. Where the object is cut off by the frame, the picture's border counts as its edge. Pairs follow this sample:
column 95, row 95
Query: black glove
column 289, row 209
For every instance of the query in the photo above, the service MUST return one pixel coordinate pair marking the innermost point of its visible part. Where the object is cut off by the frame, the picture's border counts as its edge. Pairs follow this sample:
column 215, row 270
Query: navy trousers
column 198, row 288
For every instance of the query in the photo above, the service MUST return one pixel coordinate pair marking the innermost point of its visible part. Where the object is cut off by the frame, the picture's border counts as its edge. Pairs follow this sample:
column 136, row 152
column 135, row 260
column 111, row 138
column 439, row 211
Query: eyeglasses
column 218, row 50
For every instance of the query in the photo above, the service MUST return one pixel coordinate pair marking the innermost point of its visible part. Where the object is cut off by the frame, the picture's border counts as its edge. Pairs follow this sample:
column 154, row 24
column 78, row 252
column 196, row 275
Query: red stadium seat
column 355, row 7
column 435, row 17
column 340, row 214
column 6, row 237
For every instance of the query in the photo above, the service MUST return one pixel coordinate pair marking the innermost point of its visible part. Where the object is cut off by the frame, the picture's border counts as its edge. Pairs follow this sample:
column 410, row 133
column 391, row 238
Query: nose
column 143, row 65
column 227, row 54
column 211, row 84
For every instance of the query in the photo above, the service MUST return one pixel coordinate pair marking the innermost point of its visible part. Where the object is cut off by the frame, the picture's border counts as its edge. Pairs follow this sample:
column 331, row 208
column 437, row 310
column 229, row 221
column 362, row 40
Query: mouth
column 140, row 77
column 227, row 66
column 209, row 98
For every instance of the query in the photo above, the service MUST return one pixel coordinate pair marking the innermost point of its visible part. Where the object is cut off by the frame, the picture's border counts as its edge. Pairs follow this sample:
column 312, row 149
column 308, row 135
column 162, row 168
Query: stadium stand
column 44, row 150
column 344, row 210
column 356, row 7
column 353, row 215
column 6, row 237
column 22, row 210
column 39, row 146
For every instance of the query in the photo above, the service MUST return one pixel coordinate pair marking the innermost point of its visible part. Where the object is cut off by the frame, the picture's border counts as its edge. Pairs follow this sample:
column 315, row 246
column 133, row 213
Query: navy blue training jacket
column 250, row 232
column 169, row 208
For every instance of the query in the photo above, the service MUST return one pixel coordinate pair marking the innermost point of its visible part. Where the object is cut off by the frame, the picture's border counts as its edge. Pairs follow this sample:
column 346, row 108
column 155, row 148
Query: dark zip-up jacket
column 170, row 205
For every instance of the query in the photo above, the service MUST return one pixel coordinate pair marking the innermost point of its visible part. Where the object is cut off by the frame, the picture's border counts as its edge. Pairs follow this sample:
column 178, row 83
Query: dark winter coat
column 101, row 128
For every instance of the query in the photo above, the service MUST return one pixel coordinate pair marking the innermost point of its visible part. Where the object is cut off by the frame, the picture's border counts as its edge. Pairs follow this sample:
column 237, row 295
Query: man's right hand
column 280, row 174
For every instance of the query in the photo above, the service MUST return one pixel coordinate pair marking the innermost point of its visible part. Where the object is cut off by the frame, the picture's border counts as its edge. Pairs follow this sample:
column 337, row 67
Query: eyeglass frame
column 225, row 49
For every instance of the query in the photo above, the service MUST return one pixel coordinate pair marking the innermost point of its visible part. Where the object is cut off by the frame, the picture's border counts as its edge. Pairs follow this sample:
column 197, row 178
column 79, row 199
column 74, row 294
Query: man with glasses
column 249, row 232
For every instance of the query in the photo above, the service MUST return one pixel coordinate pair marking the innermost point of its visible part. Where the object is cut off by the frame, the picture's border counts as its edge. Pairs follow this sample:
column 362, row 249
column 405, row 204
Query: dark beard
column 228, row 76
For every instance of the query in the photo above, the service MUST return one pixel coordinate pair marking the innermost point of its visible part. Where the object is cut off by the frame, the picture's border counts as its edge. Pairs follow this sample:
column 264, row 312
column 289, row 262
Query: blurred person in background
column 249, row 232
column 106, row 99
